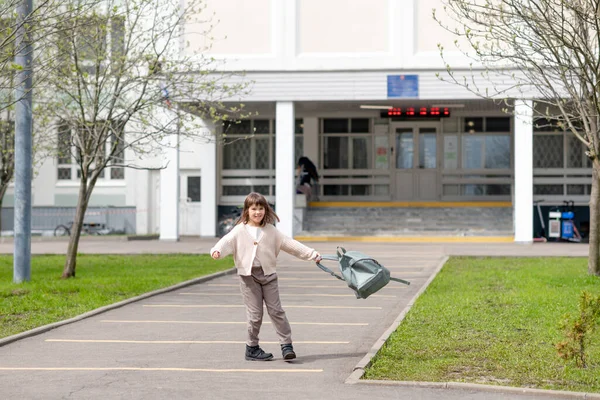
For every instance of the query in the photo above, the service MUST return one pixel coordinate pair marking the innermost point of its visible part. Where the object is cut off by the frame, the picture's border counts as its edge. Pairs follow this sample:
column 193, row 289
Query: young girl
column 255, row 244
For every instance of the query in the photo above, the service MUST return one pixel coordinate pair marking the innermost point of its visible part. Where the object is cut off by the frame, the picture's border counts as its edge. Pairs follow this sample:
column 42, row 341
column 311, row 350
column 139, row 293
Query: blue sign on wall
column 403, row 86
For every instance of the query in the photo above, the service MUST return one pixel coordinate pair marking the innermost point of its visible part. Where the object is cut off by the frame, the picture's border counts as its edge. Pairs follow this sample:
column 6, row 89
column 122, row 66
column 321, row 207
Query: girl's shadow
column 319, row 357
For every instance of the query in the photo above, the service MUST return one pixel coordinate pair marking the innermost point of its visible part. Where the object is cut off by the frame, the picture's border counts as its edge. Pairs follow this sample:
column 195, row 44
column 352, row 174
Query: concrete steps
column 408, row 221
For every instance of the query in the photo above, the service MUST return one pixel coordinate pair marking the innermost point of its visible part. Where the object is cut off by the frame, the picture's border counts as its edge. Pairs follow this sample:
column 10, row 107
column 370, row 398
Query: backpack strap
column 330, row 272
column 340, row 252
column 399, row 280
column 391, row 277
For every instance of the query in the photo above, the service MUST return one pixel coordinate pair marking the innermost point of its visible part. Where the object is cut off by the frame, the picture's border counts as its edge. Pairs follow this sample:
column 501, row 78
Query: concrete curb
column 486, row 388
column 46, row 328
column 359, row 369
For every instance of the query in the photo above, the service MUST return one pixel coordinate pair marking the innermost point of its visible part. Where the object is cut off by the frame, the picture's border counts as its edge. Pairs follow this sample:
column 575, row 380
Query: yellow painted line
column 341, row 286
column 146, row 369
column 410, row 269
column 426, row 204
column 117, row 321
column 239, row 306
column 329, row 279
column 306, row 279
column 177, row 341
column 290, row 271
column 408, row 239
column 288, row 295
column 302, row 279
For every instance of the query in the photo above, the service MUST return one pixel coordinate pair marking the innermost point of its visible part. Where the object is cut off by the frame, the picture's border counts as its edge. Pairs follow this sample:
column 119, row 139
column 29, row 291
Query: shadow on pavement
column 318, row 357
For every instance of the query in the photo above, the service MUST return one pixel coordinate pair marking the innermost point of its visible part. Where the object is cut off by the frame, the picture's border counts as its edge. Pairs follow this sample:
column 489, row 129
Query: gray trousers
column 257, row 288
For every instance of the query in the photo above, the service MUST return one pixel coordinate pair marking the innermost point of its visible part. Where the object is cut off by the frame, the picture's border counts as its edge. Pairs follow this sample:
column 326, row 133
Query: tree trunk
column 594, row 252
column 3, row 188
column 1, row 201
column 82, row 203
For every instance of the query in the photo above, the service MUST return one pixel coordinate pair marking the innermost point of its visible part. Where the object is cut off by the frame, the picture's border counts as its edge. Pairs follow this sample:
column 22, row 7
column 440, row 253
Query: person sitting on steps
column 308, row 178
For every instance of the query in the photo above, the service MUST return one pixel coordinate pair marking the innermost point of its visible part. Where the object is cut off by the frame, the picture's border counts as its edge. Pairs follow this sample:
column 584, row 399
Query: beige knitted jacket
column 239, row 242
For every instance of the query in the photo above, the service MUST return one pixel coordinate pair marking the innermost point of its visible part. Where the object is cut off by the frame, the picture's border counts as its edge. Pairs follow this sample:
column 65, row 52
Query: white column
column 208, row 189
column 284, row 166
column 311, row 140
column 142, row 185
column 169, row 190
column 523, row 197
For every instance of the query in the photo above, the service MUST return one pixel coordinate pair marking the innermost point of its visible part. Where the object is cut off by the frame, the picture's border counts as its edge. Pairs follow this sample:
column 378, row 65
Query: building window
column 336, row 153
column 117, row 143
column 91, row 42
column 497, row 124
column 473, row 125
column 478, row 160
column 193, row 189
column 249, row 155
column 7, row 138
column 68, row 153
column 246, row 144
column 486, row 151
column 348, row 146
column 561, row 167
column 336, row 125
column 486, row 143
column 65, row 154
column 485, row 190
column 347, row 143
column 548, row 151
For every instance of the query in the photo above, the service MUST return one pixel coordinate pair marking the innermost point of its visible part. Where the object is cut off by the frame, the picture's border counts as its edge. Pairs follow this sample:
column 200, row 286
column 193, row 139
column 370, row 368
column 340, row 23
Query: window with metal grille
column 548, row 151
column 248, row 154
column 561, row 167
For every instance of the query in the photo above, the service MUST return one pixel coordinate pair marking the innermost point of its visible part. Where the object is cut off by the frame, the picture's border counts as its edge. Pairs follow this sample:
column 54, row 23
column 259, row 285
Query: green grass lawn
column 493, row 321
column 100, row 280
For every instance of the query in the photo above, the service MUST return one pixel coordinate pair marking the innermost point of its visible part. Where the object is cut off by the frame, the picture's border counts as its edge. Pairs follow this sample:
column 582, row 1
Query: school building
column 354, row 86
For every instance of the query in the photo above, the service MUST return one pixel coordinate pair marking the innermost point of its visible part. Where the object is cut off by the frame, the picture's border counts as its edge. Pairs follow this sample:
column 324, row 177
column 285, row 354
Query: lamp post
column 23, row 144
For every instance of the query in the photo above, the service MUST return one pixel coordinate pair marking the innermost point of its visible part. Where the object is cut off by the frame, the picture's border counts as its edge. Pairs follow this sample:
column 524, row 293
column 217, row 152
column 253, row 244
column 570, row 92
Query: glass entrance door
column 416, row 162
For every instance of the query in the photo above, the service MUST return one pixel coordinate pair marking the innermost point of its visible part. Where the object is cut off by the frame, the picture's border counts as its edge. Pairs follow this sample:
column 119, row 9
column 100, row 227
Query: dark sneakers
column 287, row 350
column 255, row 353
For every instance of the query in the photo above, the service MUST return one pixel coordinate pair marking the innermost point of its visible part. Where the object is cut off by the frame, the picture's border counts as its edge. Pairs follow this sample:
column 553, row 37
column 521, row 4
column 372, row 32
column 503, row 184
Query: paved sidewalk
column 189, row 343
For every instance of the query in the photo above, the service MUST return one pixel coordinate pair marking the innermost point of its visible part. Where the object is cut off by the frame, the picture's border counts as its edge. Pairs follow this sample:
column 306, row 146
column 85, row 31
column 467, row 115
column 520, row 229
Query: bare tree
column 41, row 21
column 124, row 84
column 549, row 52
column 8, row 69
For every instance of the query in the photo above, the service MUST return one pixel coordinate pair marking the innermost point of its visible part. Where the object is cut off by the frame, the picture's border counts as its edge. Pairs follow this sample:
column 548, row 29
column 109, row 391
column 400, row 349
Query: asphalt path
column 189, row 343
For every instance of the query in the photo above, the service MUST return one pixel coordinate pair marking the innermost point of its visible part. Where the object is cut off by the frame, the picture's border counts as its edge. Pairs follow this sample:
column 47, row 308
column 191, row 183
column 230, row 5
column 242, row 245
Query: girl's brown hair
column 258, row 200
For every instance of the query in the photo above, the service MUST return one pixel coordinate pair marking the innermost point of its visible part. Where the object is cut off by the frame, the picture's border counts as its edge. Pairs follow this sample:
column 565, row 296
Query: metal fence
column 44, row 220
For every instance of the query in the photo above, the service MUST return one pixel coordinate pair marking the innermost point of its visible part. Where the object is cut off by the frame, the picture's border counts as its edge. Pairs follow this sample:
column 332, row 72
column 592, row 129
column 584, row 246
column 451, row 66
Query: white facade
column 311, row 63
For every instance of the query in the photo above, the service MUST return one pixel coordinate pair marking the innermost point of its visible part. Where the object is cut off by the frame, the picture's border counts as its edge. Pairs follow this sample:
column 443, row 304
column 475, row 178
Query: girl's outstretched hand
column 318, row 258
column 216, row 254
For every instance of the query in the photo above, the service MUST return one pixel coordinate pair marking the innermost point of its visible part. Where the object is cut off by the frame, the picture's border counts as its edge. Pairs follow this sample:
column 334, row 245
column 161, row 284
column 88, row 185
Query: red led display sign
column 416, row 112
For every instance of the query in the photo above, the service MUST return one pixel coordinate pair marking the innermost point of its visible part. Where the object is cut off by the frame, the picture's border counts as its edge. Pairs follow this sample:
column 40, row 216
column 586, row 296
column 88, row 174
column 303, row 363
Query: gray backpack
column 362, row 273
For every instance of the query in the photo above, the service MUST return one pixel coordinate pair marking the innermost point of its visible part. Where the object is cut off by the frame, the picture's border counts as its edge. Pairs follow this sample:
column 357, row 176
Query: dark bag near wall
column 363, row 274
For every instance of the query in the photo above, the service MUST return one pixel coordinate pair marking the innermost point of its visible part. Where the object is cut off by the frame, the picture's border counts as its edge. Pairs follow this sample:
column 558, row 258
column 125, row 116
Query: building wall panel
column 239, row 27
column 342, row 26
column 429, row 33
